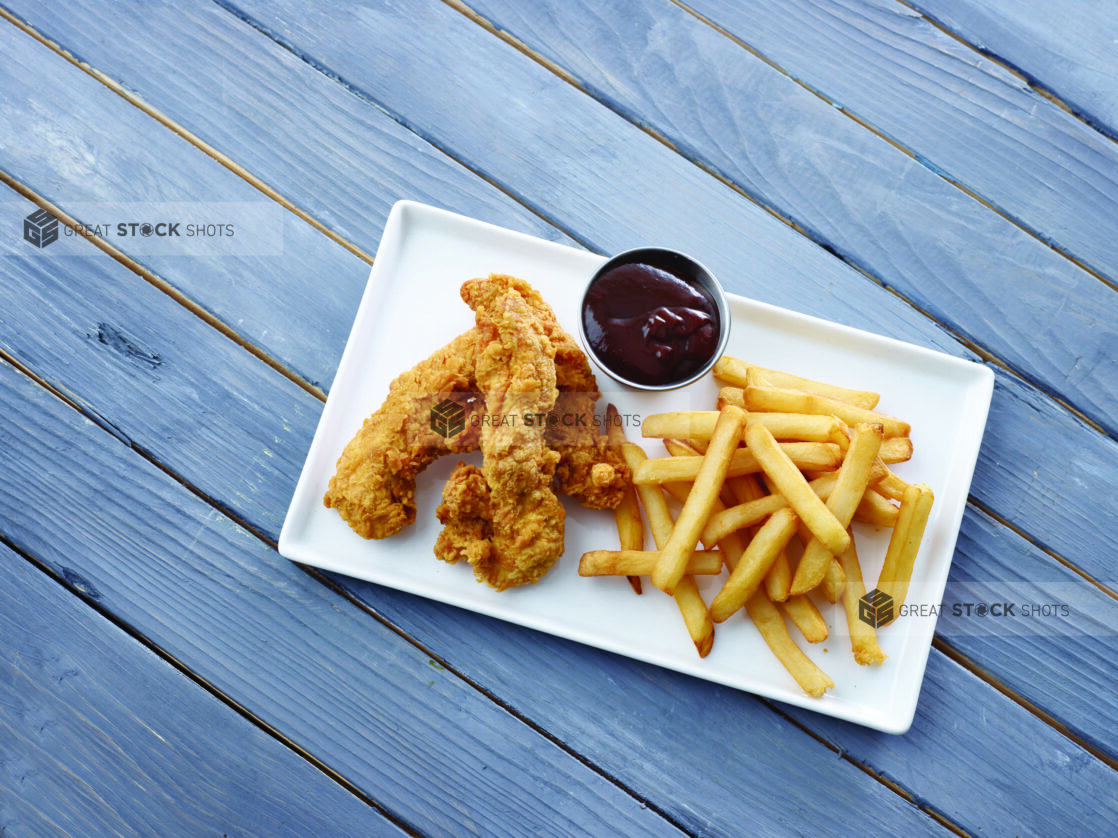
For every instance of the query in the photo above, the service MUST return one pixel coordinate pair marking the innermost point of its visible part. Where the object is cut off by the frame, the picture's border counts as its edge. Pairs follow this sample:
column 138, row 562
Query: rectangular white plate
column 411, row 307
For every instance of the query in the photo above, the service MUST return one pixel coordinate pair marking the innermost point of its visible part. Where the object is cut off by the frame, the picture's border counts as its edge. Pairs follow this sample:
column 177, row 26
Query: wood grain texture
column 315, row 142
column 98, row 735
column 225, row 422
column 1068, row 49
column 613, row 172
column 853, row 191
column 529, row 667
column 964, row 776
column 961, row 114
column 1054, row 645
column 417, row 739
column 101, row 555
column 68, row 165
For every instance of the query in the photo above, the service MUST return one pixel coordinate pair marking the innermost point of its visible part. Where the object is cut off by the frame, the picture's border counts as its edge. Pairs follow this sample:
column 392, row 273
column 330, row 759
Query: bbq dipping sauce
column 654, row 319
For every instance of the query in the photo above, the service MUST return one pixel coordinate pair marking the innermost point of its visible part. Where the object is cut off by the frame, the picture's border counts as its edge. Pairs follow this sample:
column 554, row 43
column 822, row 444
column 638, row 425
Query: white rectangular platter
column 412, row 306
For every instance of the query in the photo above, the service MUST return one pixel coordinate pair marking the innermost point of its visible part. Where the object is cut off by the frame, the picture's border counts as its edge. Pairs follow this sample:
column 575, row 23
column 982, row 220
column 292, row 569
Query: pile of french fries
column 766, row 487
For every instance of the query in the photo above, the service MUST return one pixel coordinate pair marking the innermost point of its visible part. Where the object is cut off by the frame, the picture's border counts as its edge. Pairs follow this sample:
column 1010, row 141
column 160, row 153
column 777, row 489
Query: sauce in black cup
column 654, row 318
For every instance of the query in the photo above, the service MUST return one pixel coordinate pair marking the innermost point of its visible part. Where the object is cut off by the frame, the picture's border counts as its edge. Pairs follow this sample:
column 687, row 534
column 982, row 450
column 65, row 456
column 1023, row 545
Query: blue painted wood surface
column 98, row 736
column 455, row 723
column 1067, row 49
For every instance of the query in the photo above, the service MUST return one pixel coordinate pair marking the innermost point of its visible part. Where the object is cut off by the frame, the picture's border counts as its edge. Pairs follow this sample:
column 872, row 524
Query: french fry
column 834, row 580
column 770, row 623
column 730, row 544
column 896, row 449
column 776, row 399
column 809, row 455
column 641, row 562
column 806, row 617
column 791, row 483
column 684, row 424
column 739, row 517
column 627, row 513
column 863, row 636
column 731, row 395
column 736, row 372
column 672, row 564
column 696, row 618
column 743, row 515
column 849, row 487
column 896, row 571
column 875, row 508
column 750, row 572
column 699, row 425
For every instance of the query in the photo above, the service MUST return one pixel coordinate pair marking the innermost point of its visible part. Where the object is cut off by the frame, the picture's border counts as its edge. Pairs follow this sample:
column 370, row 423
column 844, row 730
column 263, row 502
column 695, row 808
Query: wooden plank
column 1068, row 49
column 994, row 796
column 109, row 168
column 602, row 192
column 224, row 422
column 529, row 667
column 347, row 689
column 1054, row 644
column 804, row 280
column 853, row 191
column 100, row 735
column 961, row 114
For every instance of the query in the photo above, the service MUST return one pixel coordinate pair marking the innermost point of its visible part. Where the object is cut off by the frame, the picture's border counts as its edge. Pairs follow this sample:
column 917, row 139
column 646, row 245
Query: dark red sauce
column 649, row 325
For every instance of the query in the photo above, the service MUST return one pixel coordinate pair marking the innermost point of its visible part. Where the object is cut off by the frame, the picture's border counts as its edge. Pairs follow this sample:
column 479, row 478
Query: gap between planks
column 321, row 578
column 339, row 590
column 183, row 133
column 318, row 393
column 1033, row 82
column 963, row 340
column 557, row 70
column 168, row 658
column 1016, row 222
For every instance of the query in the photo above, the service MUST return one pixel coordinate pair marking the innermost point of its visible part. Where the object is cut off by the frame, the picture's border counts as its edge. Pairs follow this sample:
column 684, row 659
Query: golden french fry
column 849, row 487
column 684, row 424
column 736, row 372
column 778, row 581
column 806, row 617
column 696, row 617
column 812, row 455
column 863, row 637
column 891, row 486
column 812, row 680
column 900, row 557
column 794, row 486
column 759, row 556
column 779, row 400
column 672, row 563
column 641, row 562
column 834, row 580
column 743, row 515
column 627, row 513
column 731, row 395
column 896, row 449
column 699, row 425
column 874, row 508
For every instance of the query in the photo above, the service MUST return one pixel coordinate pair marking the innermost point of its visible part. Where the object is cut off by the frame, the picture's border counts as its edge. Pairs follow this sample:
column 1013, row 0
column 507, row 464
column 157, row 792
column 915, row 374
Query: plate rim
column 893, row 719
